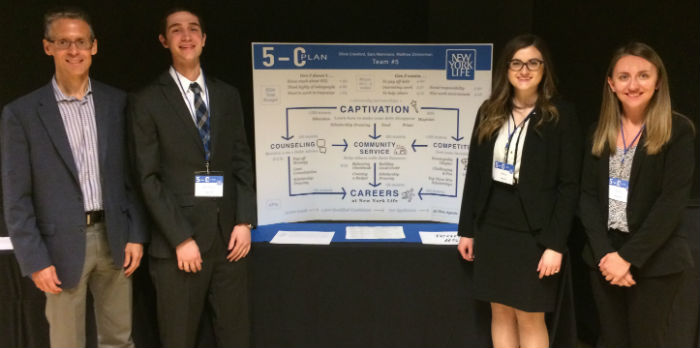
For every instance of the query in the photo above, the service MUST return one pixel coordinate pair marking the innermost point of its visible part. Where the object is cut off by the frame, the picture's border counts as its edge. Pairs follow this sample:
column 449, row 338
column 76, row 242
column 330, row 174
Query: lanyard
column 190, row 105
column 517, row 140
column 624, row 143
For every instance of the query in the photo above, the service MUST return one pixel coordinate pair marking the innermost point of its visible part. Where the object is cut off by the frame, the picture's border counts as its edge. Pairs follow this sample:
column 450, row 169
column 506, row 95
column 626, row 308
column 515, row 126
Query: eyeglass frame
column 71, row 43
column 540, row 64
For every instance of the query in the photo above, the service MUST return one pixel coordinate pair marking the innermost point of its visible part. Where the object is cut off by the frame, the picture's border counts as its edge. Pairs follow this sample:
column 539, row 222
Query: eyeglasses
column 532, row 64
column 64, row 44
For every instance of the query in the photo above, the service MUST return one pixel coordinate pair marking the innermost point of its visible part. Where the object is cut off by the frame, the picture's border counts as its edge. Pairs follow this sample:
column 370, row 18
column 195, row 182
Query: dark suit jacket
column 659, row 190
column 168, row 150
column 549, row 178
column 42, row 197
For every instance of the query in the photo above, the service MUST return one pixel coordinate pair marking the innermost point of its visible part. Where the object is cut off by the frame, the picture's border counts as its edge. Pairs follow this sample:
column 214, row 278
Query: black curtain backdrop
column 582, row 36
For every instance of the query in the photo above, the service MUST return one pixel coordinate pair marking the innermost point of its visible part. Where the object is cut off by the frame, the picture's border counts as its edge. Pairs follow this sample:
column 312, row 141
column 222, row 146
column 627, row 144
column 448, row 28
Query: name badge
column 617, row 189
column 209, row 184
column 503, row 172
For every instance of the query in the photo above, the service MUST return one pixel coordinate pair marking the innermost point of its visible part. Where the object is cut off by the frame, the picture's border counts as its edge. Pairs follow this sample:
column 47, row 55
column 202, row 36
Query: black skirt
column 506, row 255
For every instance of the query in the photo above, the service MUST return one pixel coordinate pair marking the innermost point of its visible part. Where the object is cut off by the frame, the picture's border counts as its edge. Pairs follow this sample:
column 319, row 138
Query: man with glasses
column 71, row 213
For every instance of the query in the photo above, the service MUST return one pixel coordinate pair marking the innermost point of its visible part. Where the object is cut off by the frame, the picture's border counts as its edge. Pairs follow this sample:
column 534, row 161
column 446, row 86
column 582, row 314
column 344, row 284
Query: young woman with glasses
column 520, row 194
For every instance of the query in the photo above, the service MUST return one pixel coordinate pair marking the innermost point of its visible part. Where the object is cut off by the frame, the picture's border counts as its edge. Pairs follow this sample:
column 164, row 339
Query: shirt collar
column 62, row 97
column 185, row 82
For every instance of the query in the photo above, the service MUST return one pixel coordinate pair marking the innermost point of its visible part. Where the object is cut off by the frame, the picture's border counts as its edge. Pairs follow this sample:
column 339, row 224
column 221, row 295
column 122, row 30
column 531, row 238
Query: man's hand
column 239, row 244
column 466, row 248
column 47, row 280
column 613, row 267
column 550, row 263
column 132, row 257
column 188, row 257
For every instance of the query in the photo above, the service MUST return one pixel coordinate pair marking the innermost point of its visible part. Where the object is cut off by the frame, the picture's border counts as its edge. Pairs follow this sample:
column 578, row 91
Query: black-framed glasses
column 532, row 64
column 64, row 44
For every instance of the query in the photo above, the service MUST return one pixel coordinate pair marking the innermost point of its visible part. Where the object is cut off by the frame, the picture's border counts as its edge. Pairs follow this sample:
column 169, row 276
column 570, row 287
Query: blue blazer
column 43, row 202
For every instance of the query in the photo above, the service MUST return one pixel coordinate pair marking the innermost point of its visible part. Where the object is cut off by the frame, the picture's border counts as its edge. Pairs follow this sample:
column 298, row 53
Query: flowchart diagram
column 364, row 132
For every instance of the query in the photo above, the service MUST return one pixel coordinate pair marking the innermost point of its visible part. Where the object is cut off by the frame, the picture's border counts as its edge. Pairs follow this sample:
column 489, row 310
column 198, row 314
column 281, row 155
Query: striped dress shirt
column 79, row 120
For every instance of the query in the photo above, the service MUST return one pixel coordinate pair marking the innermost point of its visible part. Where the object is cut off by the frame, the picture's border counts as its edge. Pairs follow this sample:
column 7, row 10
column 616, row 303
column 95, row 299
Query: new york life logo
column 460, row 64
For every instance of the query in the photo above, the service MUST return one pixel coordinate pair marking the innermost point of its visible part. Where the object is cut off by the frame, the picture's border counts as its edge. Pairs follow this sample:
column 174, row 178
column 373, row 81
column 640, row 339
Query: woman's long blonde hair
column 495, row 111
column 657, row 116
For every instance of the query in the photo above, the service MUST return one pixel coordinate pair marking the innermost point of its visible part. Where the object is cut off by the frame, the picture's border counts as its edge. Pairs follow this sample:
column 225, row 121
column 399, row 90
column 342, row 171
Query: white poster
column 365, row 131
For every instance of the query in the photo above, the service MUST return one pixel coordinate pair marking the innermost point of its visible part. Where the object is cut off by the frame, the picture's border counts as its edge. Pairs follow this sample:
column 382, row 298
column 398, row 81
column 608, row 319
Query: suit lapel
column 215, row 113
column 487, row 156
column 638, row 160
column 102, row 120
column 179, row 108
column 51, row 118
column 533, row 150
column 603, row 182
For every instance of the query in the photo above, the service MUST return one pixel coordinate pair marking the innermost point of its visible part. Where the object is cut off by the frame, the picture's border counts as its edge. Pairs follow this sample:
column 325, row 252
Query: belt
column 93, row 217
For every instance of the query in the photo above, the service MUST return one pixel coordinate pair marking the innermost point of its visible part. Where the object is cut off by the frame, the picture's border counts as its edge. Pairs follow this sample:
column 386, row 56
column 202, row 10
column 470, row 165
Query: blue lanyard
column 624, row 143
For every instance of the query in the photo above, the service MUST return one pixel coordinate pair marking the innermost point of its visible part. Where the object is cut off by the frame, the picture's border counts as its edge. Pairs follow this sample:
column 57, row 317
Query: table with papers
column 369, row 284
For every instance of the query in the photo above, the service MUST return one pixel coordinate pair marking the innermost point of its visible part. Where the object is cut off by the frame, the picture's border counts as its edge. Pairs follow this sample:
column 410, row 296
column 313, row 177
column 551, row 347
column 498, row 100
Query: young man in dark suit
column 195, row 172
column 72, row 215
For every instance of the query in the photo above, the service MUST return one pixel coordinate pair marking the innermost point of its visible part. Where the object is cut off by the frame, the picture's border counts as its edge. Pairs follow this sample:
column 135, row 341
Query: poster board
column 365, row 131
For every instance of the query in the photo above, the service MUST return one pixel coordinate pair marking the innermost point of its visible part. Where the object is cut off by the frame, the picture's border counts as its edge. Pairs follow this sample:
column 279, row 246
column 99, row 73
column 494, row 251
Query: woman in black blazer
column 636, row 181
column 520, row 194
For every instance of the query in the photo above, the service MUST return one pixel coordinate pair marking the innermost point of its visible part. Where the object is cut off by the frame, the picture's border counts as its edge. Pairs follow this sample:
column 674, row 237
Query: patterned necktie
column 202, row 118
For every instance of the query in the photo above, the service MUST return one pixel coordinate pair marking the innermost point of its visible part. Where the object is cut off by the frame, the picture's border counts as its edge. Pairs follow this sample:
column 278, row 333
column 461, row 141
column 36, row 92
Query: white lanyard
column 190, row 105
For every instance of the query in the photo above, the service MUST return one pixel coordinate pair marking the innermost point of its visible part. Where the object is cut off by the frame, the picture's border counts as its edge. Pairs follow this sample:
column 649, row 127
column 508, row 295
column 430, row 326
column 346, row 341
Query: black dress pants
column 637, row 316
column 182, row 296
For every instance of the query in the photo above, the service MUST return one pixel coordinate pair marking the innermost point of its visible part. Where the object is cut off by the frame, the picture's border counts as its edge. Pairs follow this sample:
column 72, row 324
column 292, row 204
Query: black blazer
column 549, row 178
column 43, row 201
column 659, row 190
column 167, row 149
